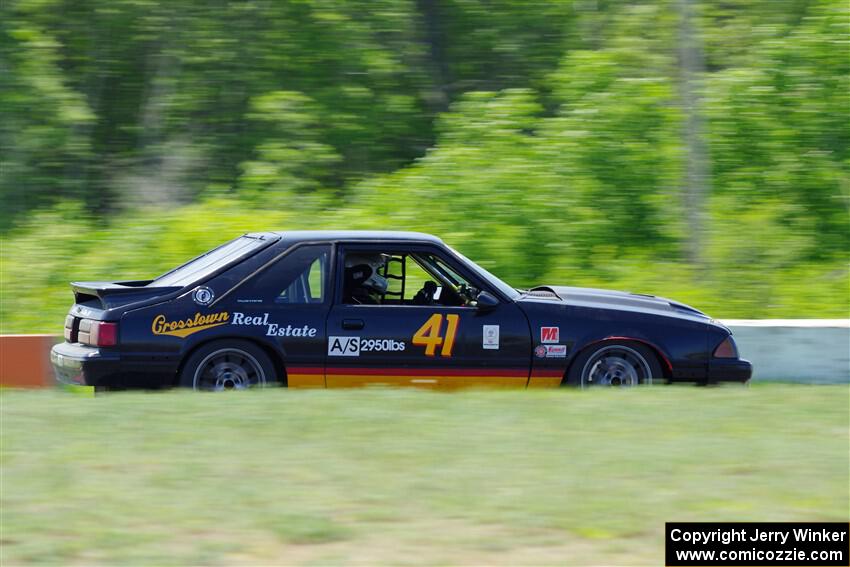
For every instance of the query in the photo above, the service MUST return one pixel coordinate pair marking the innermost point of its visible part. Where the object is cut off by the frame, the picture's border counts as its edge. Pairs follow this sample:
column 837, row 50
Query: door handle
column 353, row 324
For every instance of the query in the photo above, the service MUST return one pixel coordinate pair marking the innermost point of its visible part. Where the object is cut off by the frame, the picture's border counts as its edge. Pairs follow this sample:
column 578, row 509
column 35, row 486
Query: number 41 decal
column 429, row 336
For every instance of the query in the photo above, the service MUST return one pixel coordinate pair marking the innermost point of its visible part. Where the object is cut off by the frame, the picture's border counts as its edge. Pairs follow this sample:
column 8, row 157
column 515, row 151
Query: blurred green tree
column 588, row 142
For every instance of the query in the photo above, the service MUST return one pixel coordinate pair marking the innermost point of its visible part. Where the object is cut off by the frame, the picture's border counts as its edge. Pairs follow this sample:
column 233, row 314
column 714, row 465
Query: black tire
column 615, row 364
column 227, row 364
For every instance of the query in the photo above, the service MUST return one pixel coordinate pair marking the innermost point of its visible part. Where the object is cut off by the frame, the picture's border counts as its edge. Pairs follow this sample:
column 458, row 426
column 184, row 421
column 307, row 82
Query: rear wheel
column 618, row 364
column 227, row 365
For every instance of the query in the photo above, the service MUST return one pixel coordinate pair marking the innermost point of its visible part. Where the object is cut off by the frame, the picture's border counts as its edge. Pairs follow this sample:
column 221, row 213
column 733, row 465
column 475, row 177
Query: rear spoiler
column 111, row 294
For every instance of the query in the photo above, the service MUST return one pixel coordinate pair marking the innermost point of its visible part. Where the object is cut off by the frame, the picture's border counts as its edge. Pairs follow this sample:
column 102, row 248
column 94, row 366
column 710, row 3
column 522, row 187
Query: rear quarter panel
column 149, row 344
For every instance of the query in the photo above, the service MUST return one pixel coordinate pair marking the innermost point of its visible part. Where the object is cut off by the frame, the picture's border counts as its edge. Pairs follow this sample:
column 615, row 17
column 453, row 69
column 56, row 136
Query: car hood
column 610, row 299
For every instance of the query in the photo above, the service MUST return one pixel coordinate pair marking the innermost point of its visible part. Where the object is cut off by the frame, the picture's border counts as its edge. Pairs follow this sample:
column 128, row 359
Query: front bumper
column 78, row 364
column 729, row 370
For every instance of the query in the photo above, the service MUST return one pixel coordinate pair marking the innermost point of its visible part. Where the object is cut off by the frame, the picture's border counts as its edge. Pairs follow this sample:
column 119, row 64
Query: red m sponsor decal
column 550, row 334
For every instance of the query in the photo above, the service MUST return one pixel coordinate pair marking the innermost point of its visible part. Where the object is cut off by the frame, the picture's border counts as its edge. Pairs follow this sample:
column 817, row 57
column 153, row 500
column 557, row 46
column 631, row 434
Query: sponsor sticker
column 242, row 319
column 540, row 351
column 273, row 329
column 353, row 346
column 556, row 351
column 185, row 327
column 203, row 295
column 490, row 337
column 343, row 346
column 550, row 335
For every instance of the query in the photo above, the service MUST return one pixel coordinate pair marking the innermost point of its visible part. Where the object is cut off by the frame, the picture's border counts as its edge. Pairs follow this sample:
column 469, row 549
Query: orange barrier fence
column 25, row 360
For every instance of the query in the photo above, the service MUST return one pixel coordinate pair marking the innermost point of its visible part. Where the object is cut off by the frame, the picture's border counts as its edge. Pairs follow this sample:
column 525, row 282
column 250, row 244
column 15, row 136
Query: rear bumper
column 78, row 364
column 729, row 370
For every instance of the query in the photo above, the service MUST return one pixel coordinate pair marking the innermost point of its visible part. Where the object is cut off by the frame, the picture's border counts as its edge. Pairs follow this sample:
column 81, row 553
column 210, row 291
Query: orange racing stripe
column 442, row 378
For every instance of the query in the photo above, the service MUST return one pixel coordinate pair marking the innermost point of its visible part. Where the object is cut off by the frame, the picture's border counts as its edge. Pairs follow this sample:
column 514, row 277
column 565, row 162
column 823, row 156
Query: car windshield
column 490, row 278
column 206, row 264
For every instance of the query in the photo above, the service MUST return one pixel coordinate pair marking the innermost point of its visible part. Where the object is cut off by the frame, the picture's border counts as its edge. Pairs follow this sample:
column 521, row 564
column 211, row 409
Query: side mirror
column 486, row 301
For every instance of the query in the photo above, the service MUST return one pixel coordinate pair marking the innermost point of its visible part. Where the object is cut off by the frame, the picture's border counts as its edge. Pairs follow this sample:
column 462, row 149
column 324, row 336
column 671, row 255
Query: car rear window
column 206, row 264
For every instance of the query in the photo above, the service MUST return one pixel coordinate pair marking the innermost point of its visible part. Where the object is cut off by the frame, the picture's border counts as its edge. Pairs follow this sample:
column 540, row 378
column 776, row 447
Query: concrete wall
column 789, row 350
column 795, row 350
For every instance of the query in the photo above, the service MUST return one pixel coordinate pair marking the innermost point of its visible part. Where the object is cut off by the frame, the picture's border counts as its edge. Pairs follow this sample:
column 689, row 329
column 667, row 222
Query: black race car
column 316, row 309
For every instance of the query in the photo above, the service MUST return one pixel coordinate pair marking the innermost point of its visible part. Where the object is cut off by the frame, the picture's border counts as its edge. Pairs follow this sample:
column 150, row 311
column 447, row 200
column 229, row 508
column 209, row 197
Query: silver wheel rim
column 616, row 366
column 228, row 369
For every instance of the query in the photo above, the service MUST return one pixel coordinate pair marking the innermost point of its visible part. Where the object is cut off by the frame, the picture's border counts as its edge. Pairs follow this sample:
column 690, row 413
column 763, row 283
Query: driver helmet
column 363, row 270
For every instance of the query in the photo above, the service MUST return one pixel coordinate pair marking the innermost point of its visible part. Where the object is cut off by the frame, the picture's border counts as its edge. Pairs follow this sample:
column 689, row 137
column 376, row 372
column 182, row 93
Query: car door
column 398, row 343
column 287, row 304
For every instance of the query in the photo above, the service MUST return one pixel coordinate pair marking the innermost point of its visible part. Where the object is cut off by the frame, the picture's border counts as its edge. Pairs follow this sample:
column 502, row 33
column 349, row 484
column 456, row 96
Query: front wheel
column 614, row 364
column 227, row 365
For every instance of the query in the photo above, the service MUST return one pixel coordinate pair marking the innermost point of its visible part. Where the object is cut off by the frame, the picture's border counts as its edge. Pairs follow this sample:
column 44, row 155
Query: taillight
column 103, row 334
column 726, row 349
column 70, row 331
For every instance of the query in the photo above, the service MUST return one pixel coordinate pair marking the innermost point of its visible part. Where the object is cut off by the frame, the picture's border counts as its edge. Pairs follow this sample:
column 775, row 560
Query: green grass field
column 408, row 477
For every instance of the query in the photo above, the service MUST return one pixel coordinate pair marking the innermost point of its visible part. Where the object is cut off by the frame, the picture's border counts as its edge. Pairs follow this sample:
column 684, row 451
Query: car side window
column 309, row 286
column 416, row 279
column 300, row 277
column 394, row 277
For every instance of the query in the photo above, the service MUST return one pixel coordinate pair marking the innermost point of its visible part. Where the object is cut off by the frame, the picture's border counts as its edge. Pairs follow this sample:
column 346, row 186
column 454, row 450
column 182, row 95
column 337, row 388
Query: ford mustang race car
column 316, row 309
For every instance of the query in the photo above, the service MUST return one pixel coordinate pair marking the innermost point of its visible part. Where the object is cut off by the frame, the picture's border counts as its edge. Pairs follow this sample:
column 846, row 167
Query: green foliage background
column 547, row 139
